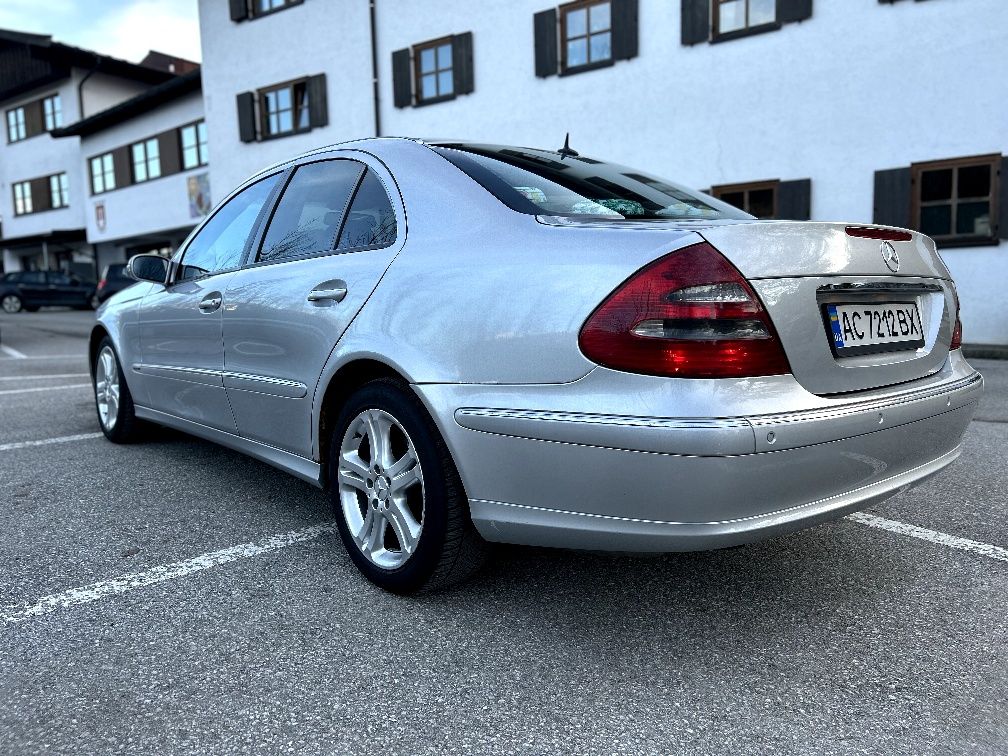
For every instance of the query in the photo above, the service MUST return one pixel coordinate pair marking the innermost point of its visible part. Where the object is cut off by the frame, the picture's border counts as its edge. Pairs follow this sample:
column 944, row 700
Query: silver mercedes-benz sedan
column 467, row 343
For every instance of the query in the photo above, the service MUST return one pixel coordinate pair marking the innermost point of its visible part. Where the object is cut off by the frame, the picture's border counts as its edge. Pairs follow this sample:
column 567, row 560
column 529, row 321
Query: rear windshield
column 538, row 182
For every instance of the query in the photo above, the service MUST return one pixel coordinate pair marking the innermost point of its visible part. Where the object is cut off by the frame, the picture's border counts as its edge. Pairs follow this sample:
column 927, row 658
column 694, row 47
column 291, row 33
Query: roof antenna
column 566, row 149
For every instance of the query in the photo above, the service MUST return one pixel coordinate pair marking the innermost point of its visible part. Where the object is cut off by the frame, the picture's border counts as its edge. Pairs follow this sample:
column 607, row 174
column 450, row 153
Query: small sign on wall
column 99, row 215
column 199, row 195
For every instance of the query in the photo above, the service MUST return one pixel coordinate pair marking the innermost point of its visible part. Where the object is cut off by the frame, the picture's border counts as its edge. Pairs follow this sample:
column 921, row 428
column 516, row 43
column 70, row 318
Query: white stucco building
column 144, row 163
column 46, row 85
column 793, row 108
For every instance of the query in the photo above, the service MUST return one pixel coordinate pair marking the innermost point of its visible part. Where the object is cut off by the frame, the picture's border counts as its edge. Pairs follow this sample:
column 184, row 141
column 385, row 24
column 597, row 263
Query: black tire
column 449, row 549
column 127, row 427
column 12, row 303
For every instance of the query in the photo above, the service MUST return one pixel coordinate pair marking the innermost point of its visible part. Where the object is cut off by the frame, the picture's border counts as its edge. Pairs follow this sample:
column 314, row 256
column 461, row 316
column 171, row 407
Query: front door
column 331, row 238
column 182, row 353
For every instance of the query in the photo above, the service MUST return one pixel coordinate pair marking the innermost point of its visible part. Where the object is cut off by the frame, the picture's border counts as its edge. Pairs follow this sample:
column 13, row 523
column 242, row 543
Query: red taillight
column 690, row 314
column 885, row 234
column 101, row 284
column 957, row 328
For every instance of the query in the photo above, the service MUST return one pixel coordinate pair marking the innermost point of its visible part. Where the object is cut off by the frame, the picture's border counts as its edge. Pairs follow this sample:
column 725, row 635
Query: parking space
column 173, row 596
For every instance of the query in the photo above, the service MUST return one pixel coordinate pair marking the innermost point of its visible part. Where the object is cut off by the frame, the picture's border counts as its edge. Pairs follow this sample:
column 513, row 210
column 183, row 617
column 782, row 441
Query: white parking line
column 12, row 352
column 46, row 441
column 47, row 356
column 44, row 388
column 42, row 377
column 95, row 591
column 943, row 539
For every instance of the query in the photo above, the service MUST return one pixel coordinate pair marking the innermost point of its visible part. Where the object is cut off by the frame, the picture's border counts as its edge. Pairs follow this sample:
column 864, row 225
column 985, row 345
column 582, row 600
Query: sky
column 121, row 28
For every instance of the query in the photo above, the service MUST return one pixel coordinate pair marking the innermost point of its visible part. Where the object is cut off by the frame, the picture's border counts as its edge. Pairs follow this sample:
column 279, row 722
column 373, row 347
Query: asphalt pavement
column 175, row 597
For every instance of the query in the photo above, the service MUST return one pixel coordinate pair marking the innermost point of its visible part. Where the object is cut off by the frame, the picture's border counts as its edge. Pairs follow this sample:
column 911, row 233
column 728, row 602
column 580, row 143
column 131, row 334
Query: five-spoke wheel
column 107, row 388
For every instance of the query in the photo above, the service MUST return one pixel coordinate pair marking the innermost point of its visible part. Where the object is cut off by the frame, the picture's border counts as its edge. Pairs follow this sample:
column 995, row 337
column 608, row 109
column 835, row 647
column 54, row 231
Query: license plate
column 869, row 328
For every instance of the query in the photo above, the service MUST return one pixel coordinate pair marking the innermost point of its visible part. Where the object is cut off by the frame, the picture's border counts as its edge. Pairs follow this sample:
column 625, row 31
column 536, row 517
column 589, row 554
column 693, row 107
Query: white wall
column 320, row 36
column 100, row 92
column 858, row 87
column 153, row 206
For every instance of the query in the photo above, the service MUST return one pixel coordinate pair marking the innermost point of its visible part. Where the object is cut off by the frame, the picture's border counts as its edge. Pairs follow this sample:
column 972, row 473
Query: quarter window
column 285, row 109
column 308, row 216
column 434, row 72
column 102, row 174
column 194, row 145
column 53, row 112
column 16, row 125
column 586, row 33
column 371, row 222
column 758, row 198
column 956, row 200
column 739, row 15
column 59, row 190
column 219, row 244
column 146, row 160
column 22, row 198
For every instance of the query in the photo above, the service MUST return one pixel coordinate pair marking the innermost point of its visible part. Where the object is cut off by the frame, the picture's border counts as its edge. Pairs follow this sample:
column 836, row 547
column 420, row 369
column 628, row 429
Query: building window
column 146, row 160
column 956, row 200
column 52, row 112
column 102, row 174
column 285, row 109
column 262, row 7
column 16, row 125
column 586, row 34
column 434, row 70
column 194, row 145
column 740, row 15
column 59, row 190
column 758, row 198
column 22, row 198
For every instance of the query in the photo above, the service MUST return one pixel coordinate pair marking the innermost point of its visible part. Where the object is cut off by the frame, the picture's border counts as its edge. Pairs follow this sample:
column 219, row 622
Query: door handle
column 329, row 291
column 210, row 302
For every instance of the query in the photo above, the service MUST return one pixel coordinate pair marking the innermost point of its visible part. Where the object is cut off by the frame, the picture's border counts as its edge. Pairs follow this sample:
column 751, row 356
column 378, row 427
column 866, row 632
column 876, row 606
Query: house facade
column 860, row 111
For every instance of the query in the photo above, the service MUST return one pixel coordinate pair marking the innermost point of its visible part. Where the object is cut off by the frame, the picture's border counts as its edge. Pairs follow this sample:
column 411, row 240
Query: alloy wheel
column 11, row 303
column 381, row 488
column 107, row 388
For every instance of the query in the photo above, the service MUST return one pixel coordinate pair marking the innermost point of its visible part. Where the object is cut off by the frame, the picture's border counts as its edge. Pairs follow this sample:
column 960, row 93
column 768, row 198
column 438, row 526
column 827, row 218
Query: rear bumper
column 653, row 482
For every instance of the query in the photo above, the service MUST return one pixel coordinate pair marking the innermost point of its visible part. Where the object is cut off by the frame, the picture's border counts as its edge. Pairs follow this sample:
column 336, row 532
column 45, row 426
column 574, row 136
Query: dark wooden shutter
column 1002, row 215
column 794, row 199
column 402, row 79
column 34, row 118
column 546, row 57
column 695, row 21
column 624, row 29
column 462, row 63
column 239, row 10
column 41, row 194
column 170, row 151
column 122, row 167
column 892, row 198
column 793, row 10
column 246, row 117
column 318, row 105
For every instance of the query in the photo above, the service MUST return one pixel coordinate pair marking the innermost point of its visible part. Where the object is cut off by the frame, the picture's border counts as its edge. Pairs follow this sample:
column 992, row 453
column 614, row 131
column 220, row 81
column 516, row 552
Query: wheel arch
column 98, row 333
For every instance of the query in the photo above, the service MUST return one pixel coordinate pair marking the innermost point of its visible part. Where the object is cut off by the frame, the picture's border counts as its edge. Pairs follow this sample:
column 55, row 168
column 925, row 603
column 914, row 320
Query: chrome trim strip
column 262, row 384
column 728, row 436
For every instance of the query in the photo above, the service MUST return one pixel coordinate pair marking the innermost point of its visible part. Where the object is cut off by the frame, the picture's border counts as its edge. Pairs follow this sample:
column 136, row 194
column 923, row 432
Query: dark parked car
column 113, row 280
column 31, row 289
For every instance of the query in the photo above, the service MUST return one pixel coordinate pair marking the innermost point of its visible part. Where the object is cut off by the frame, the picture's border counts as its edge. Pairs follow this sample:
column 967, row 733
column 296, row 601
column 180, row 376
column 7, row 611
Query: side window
column 59, row 279
column 219, row 244
column 307, row 218
column 371, row 221
column 33, row 277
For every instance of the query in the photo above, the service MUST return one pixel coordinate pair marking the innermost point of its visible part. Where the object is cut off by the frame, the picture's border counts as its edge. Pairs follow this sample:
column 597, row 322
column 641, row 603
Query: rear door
column 182, row 354
column 35, row 288
column 332, row 235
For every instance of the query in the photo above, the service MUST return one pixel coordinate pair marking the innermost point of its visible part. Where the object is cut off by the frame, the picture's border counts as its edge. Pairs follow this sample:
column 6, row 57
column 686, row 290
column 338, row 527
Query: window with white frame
column 146, row 160
column 102, row 174
column 59, row 190
column 194, row 145
column 16, row 125
column 52, row 112
column 22, row 198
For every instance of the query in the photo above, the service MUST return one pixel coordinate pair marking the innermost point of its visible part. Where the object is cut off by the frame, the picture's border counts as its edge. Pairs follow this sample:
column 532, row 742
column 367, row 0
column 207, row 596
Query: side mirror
column 152, row 268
